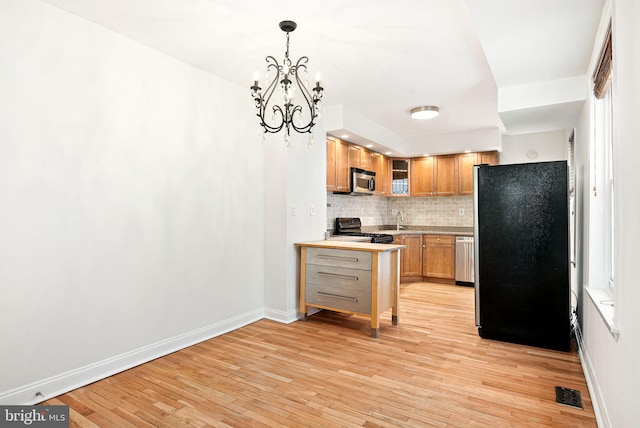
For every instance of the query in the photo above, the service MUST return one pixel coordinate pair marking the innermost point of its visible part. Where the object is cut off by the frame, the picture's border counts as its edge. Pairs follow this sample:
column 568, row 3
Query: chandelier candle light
column 290, row 77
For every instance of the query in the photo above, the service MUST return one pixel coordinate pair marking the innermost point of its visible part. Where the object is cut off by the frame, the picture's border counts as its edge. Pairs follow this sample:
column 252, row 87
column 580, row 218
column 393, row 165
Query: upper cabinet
column 337, row 165
column 489, row 158
column 399, row 177
column 445, row 175
column 434, row 176
column 466, row 161
column 355, row 155
column 380, row 165
column 342, row 156
column 422, row 177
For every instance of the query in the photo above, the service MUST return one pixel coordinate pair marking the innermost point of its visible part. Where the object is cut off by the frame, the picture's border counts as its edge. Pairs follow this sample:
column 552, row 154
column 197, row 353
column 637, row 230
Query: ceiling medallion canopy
column 293, row 80
column 424, row 112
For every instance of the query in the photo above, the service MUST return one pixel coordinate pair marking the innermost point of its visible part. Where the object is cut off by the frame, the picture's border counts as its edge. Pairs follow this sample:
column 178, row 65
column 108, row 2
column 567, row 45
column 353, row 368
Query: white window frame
column 601, row 273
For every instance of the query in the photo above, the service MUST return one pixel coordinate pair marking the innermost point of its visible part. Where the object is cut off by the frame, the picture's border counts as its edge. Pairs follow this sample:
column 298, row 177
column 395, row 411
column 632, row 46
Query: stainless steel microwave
column 361, row 182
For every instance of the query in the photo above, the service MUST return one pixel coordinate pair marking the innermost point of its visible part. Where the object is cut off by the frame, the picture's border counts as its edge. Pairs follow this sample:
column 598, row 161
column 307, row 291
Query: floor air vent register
column 568, row 397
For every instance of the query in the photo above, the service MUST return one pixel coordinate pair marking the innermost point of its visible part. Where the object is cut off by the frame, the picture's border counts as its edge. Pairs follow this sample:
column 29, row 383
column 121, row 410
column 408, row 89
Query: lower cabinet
column 427, row 256
column 439, row 256
column 411, row 258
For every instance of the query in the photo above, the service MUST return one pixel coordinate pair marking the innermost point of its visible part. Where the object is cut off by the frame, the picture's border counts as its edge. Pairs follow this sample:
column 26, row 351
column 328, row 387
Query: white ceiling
column 381, row 58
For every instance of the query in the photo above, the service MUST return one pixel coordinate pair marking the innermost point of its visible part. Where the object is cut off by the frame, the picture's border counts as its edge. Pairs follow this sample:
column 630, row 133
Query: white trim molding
column 597, row 401
column 285, row 317
column 604, row 301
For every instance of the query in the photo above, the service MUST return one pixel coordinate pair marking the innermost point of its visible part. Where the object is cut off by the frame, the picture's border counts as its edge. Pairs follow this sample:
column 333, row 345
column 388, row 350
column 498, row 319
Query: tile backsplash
column 417, row 211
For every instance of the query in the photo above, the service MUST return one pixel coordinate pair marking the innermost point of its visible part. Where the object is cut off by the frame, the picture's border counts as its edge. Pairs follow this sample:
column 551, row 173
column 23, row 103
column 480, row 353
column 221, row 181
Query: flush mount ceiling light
column 424, row 112
column 292, row 79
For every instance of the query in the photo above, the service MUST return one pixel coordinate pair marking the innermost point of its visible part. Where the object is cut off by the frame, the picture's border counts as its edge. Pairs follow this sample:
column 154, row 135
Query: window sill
column 603, row 300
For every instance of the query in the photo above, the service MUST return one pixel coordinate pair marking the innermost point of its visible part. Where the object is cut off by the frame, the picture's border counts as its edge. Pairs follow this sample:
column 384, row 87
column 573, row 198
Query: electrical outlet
column 394, row 212
column 293, row 210
column 461, row 211
column 312, row 210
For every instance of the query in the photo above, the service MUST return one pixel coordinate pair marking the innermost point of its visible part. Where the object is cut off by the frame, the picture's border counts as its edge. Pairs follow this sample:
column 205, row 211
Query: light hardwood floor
column 431, row 370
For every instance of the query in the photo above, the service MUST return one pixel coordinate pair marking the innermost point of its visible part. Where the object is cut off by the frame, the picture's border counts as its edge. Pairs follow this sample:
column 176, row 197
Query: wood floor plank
column 431, row 370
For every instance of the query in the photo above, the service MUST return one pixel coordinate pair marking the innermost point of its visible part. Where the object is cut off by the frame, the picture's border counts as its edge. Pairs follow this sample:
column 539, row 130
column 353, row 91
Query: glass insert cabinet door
column 400, row 177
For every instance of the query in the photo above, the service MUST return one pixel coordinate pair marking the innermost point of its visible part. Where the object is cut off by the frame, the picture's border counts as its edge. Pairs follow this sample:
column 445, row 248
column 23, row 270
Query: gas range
column 351, row 226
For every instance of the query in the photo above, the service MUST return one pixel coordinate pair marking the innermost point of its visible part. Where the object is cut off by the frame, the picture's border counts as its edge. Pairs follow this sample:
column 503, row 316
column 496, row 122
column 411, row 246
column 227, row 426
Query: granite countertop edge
column 421, row 230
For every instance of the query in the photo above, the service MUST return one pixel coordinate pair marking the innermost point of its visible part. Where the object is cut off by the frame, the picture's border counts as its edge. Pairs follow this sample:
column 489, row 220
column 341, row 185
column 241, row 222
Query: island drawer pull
column 355, row 278
column 324, row 256
column 353, row 299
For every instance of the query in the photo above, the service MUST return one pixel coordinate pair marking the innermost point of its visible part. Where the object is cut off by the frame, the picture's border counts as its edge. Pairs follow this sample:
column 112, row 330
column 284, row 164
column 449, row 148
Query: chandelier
column 292, row 79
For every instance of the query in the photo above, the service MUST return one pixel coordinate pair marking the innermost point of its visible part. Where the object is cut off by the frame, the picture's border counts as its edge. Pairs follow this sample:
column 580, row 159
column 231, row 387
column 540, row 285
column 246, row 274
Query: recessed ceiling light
column 427, row 154
column 369, row 146
column 424, row 112
column 344, row 136
column 467, row 151
column 387, row 153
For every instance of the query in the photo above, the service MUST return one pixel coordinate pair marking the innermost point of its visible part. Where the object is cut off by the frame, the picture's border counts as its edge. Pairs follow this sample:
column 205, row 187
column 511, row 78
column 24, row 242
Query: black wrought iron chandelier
column 292, row 78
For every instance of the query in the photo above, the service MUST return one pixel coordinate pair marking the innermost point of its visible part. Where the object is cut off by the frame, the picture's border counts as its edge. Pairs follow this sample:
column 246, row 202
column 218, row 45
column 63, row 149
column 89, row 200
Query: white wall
column 295, row 180
column 132, row 197
column 548, row 146
column 612, row 365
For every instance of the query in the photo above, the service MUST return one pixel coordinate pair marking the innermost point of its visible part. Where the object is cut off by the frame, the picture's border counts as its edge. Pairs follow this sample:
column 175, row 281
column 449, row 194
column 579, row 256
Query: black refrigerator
column 521, row 239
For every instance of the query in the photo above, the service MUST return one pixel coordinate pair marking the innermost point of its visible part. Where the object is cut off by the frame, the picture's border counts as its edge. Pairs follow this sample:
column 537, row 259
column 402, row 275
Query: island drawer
column 339, row 298
column 339, row 277
column 338, row 257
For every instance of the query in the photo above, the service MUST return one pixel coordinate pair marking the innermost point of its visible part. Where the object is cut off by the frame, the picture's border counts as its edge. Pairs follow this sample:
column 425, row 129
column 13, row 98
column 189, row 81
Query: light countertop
column 347, row 245
column 419, row 230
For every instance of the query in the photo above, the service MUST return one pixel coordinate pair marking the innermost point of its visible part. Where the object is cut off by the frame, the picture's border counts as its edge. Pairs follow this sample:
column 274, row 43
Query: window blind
column 603, row 73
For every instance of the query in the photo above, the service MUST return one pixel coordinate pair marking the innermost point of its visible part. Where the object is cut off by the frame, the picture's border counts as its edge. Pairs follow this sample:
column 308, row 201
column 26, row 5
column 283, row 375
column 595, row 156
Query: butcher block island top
column 351, row 277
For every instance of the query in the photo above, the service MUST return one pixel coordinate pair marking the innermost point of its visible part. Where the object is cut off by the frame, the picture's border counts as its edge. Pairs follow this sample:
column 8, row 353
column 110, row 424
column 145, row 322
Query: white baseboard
column 597, row 401
column 281, row 316
column 48, row 388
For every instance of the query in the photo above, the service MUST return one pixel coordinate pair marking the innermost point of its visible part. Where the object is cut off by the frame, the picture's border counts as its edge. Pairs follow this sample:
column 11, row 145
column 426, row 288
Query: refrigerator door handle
column 476, row 243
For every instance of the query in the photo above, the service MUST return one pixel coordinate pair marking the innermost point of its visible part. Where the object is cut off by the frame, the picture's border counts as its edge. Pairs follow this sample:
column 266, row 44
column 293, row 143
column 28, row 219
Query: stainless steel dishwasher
column 464, row 261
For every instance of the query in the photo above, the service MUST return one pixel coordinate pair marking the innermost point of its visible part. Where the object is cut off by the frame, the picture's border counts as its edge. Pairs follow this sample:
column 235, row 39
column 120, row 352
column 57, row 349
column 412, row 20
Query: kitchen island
column 351, row 277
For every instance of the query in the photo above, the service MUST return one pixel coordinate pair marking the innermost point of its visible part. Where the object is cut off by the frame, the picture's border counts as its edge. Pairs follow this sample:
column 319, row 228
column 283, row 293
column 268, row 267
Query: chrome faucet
column 399, row 218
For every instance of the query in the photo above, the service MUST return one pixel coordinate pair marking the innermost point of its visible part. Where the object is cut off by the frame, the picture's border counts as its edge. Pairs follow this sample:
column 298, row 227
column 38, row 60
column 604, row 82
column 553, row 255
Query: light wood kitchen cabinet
column 379, row 166
column 489, row 158
column 445, row 172
column 355, row 153
column 337, row 165
column 434, row 176
column 445, row 175
column 466, row 161
column 411, row 260
column 439, row 256
column 366, row 159
column 399, row 173
column 421, row 181
column 332, row 172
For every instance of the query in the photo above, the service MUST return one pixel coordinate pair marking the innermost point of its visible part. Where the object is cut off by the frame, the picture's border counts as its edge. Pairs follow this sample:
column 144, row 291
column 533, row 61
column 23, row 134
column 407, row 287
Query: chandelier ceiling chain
column 292, row 79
